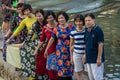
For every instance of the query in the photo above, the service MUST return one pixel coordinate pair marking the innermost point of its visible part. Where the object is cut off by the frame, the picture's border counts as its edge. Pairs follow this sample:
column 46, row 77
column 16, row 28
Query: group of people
column 44, row 46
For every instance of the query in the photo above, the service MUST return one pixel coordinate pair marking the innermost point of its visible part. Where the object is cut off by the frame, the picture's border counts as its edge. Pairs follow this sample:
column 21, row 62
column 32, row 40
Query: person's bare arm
column 36, row 50
column 8, row 33
column 11, row 9
column 8, row 41
column 100, row 50
column 21, row 1
column 48, row 46
column 71, row 48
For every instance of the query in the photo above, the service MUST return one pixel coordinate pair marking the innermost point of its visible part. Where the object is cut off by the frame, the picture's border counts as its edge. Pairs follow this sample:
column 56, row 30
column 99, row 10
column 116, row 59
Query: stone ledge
column 7, row 71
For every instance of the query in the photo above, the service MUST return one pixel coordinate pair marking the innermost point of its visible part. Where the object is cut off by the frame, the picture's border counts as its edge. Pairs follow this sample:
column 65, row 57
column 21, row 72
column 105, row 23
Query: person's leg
column 1, row 49
column 97, row 71
column 90, row 73
column 79, row 75
column 78, row 65
column 5, row 26
column 8, row 26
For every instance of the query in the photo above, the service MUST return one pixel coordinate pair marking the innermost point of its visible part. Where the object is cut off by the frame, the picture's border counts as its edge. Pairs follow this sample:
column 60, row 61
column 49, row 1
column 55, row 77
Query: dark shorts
column 7, row 18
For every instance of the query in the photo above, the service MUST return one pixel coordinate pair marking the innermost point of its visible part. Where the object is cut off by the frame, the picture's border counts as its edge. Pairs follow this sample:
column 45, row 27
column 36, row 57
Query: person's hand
column 7, row 42
column 35, row 52
column 99, row 62
column 21, row 45
column 45, row 54
column 5, row 36
column 3, row 6
column 18, row 45
column 84, row 58
column 71, row 60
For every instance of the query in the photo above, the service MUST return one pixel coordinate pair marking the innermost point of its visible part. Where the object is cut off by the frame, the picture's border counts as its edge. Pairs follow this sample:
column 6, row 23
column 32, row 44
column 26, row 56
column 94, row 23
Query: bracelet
column 99, row 57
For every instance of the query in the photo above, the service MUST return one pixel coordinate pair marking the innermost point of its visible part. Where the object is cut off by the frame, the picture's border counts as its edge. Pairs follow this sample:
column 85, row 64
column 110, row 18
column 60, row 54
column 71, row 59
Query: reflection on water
column 70, row 6
column 109, row 21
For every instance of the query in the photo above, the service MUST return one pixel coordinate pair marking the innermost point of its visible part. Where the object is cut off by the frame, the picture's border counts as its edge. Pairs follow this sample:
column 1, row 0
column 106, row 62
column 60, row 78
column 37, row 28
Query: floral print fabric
column 64, row 66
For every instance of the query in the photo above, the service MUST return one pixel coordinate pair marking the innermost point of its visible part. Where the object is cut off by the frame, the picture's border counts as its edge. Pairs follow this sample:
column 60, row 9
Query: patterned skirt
column 28, row 59
column 13, row 55
column 51, row 62
column 43, row 77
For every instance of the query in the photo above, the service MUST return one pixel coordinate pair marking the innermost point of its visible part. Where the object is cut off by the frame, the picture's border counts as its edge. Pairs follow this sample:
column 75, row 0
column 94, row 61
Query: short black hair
column 19, row 5
column 48, row 13
column 27, row 6
column 64, row 14
column 81, row 17
column 90, row 15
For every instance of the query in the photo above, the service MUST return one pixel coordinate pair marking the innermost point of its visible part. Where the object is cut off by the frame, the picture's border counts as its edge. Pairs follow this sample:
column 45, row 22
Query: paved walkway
column 1, row 44
column 1, row 78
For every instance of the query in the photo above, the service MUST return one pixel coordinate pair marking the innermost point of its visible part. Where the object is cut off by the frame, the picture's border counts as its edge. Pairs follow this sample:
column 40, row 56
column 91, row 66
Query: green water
column 110, row 23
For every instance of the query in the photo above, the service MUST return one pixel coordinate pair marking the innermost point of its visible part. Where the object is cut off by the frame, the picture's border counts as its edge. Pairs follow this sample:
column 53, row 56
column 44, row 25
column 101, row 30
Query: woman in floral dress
column 62, row 33
column 30, row 46
column 27, row 59
column 16, row 21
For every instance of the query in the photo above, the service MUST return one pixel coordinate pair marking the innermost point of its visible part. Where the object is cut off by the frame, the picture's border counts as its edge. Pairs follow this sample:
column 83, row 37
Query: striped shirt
column 79, row 41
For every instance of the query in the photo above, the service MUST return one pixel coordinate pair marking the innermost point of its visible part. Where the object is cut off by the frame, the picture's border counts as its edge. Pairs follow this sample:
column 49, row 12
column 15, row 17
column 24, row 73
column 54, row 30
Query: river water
column 107, row 16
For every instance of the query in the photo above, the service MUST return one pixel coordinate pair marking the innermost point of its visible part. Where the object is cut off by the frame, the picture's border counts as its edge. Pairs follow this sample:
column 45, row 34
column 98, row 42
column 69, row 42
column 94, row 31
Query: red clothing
column 41, row 63
column 40, row 60
column 46, row 33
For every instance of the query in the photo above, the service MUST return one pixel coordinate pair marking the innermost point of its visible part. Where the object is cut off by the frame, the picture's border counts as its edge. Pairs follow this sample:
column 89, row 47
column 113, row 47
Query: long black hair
column 37, row 25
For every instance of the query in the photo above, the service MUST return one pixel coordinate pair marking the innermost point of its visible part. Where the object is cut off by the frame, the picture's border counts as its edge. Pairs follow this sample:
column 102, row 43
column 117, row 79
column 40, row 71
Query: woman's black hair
column 42, row 12
column 48, row 13
column 64, row 14
column 39, row 11
column 90, row 15
column 19, row 5
column 27, row 6
column 81, row 17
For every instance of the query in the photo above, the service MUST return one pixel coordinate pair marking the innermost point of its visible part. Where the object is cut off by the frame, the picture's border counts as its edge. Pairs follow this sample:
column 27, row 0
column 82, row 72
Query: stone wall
column 7, row 71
